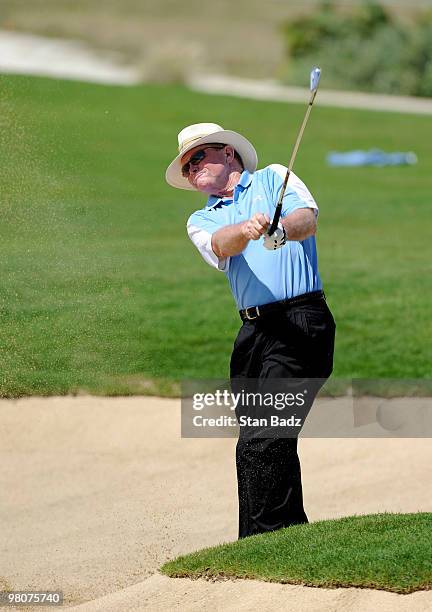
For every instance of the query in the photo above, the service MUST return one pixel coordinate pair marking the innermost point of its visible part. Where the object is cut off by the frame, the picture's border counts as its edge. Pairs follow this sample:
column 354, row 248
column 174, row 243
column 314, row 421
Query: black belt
column 254, row 312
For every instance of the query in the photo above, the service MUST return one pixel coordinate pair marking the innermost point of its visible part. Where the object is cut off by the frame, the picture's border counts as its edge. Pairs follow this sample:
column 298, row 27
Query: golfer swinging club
column 288, row 330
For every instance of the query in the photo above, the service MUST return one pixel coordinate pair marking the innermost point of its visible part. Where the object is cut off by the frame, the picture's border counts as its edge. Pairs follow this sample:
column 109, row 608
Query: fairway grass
column 391, row 552
column 102, row 291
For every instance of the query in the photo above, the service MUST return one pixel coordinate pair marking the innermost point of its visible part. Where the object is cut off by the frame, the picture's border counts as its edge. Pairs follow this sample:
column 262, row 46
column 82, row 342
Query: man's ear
column 229, row 152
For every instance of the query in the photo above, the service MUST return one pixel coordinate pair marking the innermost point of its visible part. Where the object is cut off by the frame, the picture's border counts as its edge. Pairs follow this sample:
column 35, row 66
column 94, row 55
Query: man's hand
column 256, row 226
column 277, row 239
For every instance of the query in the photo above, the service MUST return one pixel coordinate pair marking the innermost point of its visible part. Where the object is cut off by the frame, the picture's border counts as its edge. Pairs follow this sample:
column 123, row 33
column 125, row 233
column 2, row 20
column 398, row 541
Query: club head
column 315, row 78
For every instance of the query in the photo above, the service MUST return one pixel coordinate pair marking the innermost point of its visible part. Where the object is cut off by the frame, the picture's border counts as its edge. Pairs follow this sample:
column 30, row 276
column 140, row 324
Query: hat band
column 188, row 141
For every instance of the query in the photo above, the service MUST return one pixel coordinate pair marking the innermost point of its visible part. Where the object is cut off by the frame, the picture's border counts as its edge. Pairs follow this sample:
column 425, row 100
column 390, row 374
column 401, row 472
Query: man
column 288, row 330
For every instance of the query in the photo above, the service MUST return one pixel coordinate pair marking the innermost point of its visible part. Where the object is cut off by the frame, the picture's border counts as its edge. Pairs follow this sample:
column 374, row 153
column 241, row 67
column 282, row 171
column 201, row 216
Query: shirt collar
column 244, row 182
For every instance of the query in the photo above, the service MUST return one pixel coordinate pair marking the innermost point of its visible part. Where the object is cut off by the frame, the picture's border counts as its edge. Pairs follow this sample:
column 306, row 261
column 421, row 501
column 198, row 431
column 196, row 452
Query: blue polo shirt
column 258, row 276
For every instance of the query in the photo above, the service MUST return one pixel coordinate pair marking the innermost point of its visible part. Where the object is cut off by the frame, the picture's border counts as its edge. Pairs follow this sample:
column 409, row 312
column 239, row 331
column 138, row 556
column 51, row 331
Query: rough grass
column 390, row 552
column 102, row 290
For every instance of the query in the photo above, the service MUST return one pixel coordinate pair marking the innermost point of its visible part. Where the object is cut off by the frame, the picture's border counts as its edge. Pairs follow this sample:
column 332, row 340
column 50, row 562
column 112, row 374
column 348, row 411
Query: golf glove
column 276, row 240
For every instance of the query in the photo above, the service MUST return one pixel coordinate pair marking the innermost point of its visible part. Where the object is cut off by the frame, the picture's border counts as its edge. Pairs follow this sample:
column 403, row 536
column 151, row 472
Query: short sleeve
column 297, row 195
column 200, row 228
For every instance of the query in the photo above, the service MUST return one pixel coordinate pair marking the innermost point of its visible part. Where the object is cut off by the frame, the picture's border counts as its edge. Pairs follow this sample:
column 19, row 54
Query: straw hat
column 206, row 133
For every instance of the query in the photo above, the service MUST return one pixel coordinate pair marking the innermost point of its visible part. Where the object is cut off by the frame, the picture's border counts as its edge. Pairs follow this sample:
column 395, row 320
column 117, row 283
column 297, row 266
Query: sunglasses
column 197, row 157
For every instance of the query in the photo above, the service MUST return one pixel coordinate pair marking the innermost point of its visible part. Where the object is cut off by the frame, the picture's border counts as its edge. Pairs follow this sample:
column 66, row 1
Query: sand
column 27, row 53
column 98, row 492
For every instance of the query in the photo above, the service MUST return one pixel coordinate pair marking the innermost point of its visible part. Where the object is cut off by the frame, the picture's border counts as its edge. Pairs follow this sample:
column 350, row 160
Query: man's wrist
column 243, row 230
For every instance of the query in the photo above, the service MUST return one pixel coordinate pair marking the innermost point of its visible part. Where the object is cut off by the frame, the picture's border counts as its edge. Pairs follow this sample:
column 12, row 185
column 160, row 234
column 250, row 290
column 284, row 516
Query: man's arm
column 300, row 224
column 233, row 239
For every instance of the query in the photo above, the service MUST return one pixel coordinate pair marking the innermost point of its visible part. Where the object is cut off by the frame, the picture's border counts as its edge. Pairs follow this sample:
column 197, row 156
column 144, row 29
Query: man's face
column 209, row 170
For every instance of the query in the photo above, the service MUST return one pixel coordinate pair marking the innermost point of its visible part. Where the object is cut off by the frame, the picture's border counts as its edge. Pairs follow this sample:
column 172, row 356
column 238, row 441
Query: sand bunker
column 99, row 492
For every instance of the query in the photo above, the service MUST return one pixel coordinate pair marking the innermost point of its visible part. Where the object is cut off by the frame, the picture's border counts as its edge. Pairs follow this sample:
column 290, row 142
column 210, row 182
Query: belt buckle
column 248, row 316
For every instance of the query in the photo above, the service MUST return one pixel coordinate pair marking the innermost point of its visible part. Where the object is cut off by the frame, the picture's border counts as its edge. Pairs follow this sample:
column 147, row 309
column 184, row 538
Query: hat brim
column 244, row 148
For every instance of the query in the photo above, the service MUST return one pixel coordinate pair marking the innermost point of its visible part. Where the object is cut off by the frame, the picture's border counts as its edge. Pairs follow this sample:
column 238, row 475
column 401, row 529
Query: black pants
column 294, row 343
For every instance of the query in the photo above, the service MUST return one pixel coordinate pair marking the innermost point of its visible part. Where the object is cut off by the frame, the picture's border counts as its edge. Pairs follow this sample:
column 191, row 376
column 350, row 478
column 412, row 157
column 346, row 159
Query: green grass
column 101, row 288
column 391, row 552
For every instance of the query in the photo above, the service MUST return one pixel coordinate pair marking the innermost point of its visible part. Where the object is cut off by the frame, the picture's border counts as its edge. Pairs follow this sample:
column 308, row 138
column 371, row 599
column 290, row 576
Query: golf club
column 314, row 82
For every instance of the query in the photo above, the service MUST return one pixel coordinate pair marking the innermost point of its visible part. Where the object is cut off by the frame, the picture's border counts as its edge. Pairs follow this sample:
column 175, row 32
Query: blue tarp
column 374, row 157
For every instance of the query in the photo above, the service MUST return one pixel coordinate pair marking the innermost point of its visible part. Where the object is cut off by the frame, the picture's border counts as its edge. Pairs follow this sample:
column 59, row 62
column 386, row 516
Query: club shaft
column 300, row 134
column 291, row 164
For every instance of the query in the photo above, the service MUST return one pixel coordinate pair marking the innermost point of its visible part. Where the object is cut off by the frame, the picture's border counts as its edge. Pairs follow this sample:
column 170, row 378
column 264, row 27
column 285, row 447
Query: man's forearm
column 233, row 239
column 300, row 224
column 229, row 240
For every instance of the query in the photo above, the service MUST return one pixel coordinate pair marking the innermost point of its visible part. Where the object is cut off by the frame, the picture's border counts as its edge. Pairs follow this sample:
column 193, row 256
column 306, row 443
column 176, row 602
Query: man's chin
column 203, row 184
